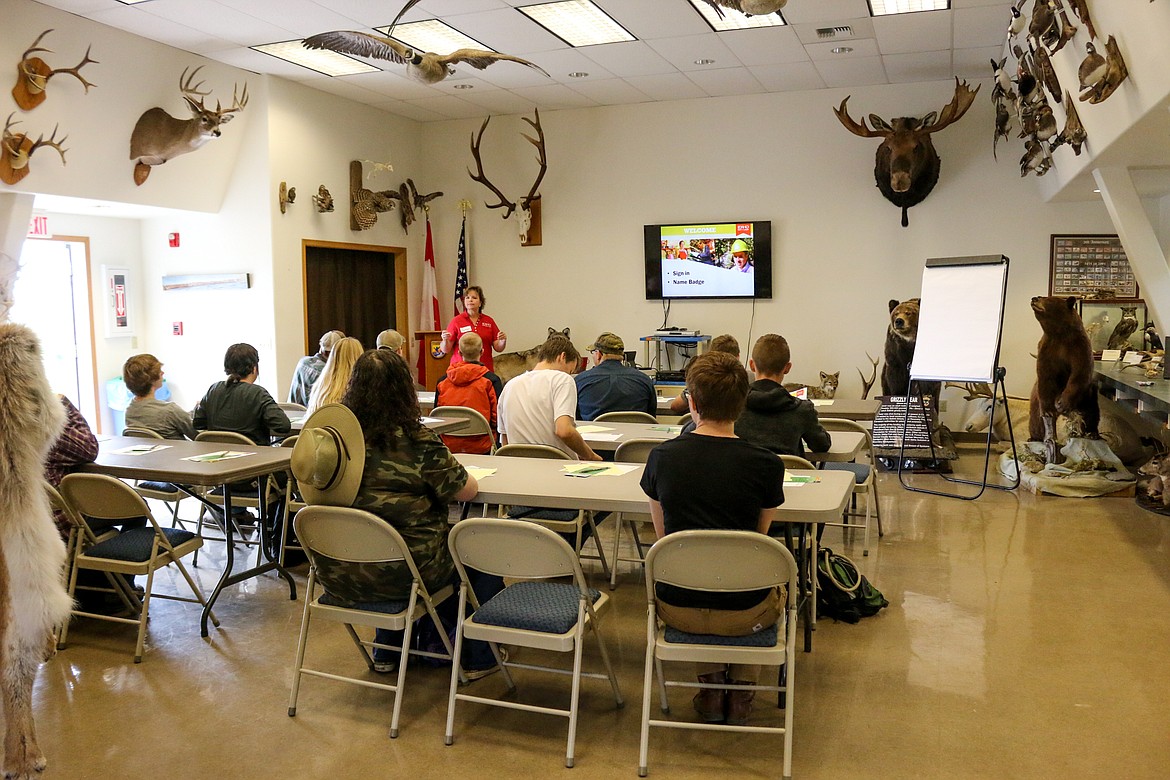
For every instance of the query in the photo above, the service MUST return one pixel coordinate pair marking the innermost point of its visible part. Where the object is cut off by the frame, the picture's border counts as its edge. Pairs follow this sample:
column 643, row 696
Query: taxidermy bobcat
column 827, row 389
column 1159, row 484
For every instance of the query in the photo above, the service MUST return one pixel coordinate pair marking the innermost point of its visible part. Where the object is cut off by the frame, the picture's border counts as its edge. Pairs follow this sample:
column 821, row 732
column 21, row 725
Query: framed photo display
column 1093, row 267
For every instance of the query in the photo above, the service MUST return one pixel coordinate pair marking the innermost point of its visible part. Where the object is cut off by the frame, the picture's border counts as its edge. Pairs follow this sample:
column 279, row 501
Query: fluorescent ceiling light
column 886, row 7
column 734, row 20
column 324, row 61
column 577, row 22
column 432, row 35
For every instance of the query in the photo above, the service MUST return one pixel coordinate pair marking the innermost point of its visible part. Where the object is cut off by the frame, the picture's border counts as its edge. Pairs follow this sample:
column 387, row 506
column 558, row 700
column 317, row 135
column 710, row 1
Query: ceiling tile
column 301, row 17
column 498, row 101
column 852, row 72
column 975, row 63
column 449, row 106
column 682, row 52
column 410, row 111
column 667, row 86
column 862, row 48
column 259, row 62
column 134, row 21
column 609, row 92
column 80, row 7
column 630, row 58
column 391, row 84
column 508, row 31
column 920, row 66
column 555, row 96
column 726, row 81
column 981, row 26
column 790, row 77
column 345, row 89
column 765, row 46
column 915, row 32
column 824, row 11
column 857, row 28
column 651, row 19
column 219, row 21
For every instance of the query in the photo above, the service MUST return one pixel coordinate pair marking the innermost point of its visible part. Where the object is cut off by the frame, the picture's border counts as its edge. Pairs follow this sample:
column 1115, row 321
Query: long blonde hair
column 330, row 387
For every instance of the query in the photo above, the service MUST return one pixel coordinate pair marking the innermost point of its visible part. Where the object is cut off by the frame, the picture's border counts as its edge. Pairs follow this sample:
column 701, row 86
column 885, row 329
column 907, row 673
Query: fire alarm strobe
column 173, row 239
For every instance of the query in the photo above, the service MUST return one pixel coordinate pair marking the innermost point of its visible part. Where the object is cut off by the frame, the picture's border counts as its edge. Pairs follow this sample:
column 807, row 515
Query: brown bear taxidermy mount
column 907, row 165
column 1064, row 374
column 901, row 336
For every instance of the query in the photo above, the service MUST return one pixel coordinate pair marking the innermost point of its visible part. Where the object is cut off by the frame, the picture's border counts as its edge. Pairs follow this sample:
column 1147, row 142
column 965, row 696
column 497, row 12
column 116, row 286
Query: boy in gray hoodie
column 773, row 418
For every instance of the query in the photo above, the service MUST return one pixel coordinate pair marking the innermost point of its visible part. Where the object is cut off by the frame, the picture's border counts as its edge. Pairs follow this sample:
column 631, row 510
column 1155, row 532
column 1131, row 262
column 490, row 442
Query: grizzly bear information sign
column 891, row 421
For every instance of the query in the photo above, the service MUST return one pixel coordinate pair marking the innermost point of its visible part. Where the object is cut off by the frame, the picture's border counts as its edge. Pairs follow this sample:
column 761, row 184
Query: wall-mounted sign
column 38, row 227
column 119, row 314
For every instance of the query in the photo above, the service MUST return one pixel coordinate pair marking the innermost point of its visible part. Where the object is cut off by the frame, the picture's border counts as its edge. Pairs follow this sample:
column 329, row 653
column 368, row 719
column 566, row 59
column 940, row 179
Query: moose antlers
column 33, row 75
column 16, row 149
column 481, row 177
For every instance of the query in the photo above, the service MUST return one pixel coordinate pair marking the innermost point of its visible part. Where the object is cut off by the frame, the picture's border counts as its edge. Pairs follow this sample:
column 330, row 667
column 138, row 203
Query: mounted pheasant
column 907, row 165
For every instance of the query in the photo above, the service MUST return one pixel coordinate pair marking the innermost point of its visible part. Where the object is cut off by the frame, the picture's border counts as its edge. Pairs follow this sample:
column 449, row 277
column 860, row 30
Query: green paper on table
column 796, row 480
column 212, row 457
column 141, row 449
column 667, row 428
column 597, row 469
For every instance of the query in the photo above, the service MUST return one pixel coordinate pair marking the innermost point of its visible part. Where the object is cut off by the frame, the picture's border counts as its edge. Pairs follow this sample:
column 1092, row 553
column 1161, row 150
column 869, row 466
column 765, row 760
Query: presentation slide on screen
column 708, row 260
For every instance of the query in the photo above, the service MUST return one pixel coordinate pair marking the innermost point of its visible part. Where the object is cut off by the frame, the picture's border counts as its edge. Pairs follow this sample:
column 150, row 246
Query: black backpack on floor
column 843, row 593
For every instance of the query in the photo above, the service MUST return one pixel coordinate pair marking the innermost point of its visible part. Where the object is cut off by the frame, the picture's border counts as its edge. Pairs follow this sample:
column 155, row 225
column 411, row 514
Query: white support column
column 1139, row 239
column 15, row 213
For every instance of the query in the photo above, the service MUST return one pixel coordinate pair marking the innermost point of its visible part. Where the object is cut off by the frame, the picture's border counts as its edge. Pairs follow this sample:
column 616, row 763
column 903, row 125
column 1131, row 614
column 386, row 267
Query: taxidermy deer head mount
column 16, row 149
column 907, row 165
column 159, row 137
column 528, row 216
column 33, row 74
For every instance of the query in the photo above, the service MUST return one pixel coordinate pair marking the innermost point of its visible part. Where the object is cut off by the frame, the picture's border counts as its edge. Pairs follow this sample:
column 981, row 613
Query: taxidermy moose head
column 159, row 137
column 907, row 165
column 525, row 214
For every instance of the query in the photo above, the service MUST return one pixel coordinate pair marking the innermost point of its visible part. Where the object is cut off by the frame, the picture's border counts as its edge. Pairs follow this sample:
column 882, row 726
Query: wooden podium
column 434, row 368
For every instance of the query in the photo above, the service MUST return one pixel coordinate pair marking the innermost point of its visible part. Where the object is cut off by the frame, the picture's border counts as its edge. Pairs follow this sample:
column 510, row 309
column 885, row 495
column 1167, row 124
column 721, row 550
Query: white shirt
column 532, row 402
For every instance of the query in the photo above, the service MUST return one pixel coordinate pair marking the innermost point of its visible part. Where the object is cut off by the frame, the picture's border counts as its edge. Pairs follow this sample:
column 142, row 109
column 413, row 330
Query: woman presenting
column 473, row 320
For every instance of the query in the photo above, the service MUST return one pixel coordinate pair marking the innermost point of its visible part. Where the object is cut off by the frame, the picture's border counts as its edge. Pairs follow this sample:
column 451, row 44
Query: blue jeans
column 476, row 653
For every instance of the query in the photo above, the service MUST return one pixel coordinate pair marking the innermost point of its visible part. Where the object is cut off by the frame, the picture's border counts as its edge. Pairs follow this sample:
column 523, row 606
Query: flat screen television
column 709, row 260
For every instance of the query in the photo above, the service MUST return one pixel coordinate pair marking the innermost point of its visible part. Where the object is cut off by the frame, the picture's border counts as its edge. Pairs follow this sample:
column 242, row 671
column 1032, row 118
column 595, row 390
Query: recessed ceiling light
column 886, row 7
column 578, row 74
column 324, row 61
column 841, row 49
column 704, row 61
column 734, row 20
column 463, row 86
column 432, row 35
column 577, row 22
column 1097, row 191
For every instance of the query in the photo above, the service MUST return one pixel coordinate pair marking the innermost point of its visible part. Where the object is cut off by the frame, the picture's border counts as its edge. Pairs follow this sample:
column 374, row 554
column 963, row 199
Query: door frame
column 401, row 296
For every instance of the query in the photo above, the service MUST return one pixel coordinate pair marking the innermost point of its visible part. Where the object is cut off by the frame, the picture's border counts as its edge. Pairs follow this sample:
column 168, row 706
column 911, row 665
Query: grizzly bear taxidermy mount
column 1064, row 374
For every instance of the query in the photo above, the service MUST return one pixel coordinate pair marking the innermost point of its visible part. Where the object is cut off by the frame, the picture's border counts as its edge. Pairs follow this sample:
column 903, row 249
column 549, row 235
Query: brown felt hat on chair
column 330, row 456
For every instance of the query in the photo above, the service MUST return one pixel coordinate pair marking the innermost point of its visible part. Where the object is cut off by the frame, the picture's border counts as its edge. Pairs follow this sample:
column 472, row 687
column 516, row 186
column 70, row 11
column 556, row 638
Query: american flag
column 461, row 268
column 428, row 318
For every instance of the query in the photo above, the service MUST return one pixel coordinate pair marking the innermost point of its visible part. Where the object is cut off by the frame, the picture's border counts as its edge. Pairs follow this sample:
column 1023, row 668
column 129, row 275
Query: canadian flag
column 428, row 317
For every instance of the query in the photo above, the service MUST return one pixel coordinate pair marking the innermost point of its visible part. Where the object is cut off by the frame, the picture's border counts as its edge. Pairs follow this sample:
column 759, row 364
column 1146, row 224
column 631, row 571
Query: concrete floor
column 1025, row 638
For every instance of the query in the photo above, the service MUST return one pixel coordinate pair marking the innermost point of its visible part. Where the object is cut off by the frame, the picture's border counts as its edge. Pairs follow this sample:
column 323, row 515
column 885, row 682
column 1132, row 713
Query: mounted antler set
column 528, row 215
column 33, row 75
column 17, row 148
column 159, row 137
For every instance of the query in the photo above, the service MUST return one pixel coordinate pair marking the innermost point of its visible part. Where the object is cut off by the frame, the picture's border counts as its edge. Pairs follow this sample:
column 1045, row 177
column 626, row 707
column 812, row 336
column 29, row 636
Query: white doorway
column 52, row 296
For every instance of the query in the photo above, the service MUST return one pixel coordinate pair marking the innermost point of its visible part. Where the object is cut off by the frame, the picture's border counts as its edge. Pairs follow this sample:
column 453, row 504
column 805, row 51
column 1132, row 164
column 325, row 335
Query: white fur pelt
column 33, row 600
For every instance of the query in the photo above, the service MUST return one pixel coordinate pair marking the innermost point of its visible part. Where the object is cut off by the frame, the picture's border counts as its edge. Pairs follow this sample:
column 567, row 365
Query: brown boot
column 739, row 704
column 710, row 702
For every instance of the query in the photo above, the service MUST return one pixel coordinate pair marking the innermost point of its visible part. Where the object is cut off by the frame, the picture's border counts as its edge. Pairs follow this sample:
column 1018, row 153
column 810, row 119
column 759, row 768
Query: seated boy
column 143, row 375
column 773, row 418
column 712, row 479
column 470, row 384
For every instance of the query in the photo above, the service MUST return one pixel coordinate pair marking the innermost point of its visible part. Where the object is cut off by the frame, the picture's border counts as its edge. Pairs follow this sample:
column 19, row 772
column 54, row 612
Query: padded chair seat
column 161, row 487
column 136, row 545
column 383, row 607
column 860, row 470
column 549, row 607
column 532, row 513
column 765, row 638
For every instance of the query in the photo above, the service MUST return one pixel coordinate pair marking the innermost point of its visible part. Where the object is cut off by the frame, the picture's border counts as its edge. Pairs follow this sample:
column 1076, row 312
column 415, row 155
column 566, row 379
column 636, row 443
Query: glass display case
column 1115, row 324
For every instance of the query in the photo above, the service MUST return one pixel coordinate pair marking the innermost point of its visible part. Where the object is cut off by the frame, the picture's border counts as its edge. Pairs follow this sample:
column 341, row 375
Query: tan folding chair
column 684, row 419
column 530, row 612
column 331, row 535
column 477, row 424
column 239, row 500
column 134, row 551
column 563, row 521
column 864, row 481
column 626, row 417
column 630, row 451
column 158, row 491
column 291, row 407
column 721, row 562
column 292, row 505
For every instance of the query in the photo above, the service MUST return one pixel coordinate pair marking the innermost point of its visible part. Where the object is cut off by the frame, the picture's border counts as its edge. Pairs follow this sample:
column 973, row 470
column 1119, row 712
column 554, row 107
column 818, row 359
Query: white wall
column 839, row 251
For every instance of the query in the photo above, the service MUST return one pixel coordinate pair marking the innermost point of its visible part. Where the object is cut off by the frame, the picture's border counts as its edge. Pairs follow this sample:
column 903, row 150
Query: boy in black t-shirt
column 710, row 479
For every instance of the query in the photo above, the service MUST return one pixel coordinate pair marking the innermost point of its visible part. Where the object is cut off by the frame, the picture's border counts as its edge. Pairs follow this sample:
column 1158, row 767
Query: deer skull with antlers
column 907, row 165
column 528, row 215
column 159, row 137
column 16, row 149
column 33, row 74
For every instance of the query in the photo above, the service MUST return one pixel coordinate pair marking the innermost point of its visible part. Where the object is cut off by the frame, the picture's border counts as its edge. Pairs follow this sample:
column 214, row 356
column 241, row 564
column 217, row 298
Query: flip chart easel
column 960, row 323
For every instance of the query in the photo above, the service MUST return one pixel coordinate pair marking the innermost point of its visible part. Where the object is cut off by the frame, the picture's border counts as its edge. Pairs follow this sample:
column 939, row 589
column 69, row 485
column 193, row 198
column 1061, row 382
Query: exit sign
column 38, row 227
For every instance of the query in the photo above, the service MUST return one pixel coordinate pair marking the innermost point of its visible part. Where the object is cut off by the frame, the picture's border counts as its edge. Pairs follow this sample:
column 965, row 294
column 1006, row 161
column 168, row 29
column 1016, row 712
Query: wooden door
column 358, row 289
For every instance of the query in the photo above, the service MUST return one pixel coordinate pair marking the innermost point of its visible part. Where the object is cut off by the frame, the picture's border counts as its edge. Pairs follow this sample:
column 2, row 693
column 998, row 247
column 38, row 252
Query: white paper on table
column 822, row 401
column 584, row 429
column 212, row 457
column 141, row 449
column 479, row 472
column 1110, row 355
column 591, row 436
column 1133, row 357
